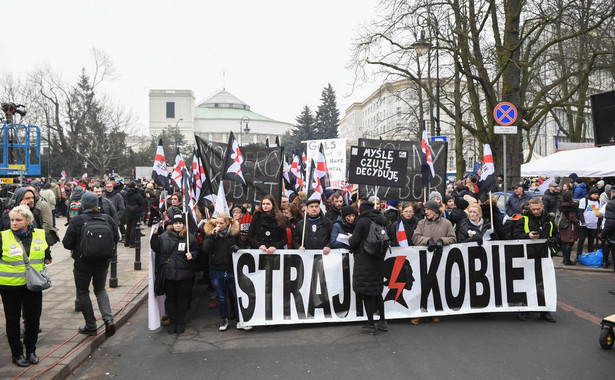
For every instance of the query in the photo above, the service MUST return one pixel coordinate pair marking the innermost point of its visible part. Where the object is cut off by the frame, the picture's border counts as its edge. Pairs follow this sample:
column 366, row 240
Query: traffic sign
column 505, row 113
column 505, row 130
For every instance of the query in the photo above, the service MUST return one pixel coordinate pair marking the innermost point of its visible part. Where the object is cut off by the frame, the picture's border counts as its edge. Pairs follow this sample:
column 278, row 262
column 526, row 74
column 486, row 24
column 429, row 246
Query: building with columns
column 211, row 119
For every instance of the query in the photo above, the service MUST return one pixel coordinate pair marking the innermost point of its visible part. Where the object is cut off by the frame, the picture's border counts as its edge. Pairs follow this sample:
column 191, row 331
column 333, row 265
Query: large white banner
column 292, row 286
column 335, row 153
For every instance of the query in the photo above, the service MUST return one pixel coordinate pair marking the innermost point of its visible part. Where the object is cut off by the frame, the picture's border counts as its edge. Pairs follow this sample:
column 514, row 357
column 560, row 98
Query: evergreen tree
column 304, row 130
column 327, row 115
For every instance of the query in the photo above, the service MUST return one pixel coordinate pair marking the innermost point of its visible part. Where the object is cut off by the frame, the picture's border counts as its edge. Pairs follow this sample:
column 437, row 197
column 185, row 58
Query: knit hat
column 578, row 180
column 374, row 199
column 573, row 176
column 593, row 190
column 365, row 206
column 608, row 188
column 89, row 200
column 461, row 203
column 433, row 206
column 434, row 194
column 448, row 197
column 179, row 218
column 600, row 183
column 348, row 210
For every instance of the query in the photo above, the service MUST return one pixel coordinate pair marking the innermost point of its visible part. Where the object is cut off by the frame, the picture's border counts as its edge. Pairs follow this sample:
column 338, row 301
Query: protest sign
column 412, row 189
column 263, row 171
column 335, row 153
column 292, row 286
column 377, row 166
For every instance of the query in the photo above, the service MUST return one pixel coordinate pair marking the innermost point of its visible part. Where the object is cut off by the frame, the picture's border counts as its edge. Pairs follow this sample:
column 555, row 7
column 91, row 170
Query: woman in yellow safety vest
column 22, row 238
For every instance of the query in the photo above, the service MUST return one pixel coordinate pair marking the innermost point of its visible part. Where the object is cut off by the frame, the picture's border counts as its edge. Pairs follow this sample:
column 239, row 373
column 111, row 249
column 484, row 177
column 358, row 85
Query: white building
column 212, row 119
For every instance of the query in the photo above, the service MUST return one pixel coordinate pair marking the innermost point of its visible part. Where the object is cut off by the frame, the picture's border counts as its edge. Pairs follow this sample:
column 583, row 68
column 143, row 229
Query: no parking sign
column 505, row 113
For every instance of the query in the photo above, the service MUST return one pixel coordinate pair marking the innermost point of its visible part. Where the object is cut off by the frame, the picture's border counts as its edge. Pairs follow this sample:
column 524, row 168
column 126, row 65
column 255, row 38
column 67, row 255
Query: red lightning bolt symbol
column 393, row 284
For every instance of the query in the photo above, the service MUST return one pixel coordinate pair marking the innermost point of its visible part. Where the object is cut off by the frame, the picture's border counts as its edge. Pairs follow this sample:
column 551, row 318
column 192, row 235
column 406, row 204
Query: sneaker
column 223, row 324
column 241, row 326
column 213, row 304
column 382, row 326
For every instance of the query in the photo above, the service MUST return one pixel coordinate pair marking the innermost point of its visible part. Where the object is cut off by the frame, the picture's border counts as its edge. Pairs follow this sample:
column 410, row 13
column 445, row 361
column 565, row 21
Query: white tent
column 591, row 162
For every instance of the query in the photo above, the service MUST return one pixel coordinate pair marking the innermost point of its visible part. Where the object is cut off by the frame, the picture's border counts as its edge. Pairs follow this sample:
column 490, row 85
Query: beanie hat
column 89, row 200
column 434, row 194
column 601, row 183
column 374, row 199
column 448, row 197
column 578, row 180
column 433, row 206
column 593, row 190
column 608, row 188
column 179, row 218
column 461, row 203
column 573, row 176
column 365, row 206
column 348, row 210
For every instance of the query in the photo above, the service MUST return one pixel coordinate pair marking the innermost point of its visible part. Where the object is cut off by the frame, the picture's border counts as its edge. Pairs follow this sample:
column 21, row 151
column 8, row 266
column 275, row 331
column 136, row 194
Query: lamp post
column 244, row 120
column 177, row 132
column 422, row 47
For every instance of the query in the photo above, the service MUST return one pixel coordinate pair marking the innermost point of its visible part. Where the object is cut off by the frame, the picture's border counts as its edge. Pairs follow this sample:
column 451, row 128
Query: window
column 170, row 110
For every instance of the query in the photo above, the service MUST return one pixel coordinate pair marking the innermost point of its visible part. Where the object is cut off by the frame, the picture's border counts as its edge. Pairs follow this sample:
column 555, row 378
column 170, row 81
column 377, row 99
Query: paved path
column 60, row 347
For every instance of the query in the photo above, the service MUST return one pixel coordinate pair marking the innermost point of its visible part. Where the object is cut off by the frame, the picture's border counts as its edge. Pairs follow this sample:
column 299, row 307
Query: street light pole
column 422, row 47
column 177, row 133
column 244, row 120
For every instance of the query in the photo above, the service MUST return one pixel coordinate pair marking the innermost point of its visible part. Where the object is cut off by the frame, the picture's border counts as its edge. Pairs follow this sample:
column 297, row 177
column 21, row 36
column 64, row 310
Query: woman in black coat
column 409, row 221
column 171, row 250
column 268, row 227
column 368, row 271
column 473, row 227
column 222, row 238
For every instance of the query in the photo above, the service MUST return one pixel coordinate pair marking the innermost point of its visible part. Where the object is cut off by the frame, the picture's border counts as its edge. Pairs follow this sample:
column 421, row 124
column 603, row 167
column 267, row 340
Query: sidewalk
column 60, row 347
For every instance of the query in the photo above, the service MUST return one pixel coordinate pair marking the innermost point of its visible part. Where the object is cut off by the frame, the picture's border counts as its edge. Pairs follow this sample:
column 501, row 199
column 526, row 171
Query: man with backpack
column 369, row 244
column 92, row 237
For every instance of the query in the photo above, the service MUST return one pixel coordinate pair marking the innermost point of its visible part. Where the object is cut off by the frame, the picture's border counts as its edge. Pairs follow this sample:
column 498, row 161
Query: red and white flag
column 178, row 170
column 159, row 171
column 402, row 239
column 234, row 163
column 487, row 180
column 427, row 171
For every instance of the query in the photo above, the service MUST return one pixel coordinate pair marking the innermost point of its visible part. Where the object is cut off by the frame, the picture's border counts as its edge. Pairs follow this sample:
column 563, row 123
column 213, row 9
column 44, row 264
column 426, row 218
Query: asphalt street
column 496, row 346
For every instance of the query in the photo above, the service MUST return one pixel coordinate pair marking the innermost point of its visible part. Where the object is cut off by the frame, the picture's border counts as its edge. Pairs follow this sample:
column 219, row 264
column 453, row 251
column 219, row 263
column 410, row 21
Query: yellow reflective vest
column 526, row 226
column 12, row 265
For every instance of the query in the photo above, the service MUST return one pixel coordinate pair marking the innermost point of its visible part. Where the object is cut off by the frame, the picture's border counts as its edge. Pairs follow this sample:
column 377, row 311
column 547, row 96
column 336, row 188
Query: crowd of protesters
column 461, row 215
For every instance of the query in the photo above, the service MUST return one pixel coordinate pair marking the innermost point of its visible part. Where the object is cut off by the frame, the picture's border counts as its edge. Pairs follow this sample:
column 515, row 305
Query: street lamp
column 244, row 120
column 177, row 133
column 422, row 47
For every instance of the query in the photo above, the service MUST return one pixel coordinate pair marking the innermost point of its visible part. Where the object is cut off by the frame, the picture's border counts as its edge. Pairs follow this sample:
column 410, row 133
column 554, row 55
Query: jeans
column 82, row 283
column 223, row 280
column 32, row 303
column 588, row 233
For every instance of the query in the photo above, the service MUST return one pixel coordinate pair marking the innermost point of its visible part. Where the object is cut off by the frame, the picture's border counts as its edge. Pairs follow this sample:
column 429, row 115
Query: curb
column 65, row 368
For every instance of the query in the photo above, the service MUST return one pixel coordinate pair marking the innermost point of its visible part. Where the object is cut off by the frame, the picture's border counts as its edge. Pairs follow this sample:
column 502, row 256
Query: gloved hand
column 478, row 239
column 439, row 245
column 234, row 248
column 551, row 242
column 431, row 245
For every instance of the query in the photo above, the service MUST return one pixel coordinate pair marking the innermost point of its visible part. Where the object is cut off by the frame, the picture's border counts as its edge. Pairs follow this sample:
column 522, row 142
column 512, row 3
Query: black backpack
column 376, row 243
column 561, row 222
column 97, row 239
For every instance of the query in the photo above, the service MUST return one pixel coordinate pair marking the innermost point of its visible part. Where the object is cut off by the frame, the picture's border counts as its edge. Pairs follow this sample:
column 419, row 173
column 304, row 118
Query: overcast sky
column 277, row 55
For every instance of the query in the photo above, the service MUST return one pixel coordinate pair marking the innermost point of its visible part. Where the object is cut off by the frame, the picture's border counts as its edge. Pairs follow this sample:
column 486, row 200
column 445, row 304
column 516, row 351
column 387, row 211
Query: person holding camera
column 537, row 224
column 222, row 238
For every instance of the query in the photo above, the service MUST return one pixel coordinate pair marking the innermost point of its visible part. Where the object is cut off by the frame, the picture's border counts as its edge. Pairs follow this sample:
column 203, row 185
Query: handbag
column 160, row 279
column 35, row 280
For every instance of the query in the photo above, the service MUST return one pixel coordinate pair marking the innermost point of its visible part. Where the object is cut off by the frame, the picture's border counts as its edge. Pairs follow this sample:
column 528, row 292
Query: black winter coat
column 135, row 201
column 368, row 271
column 72, row 239
column 166, row 246
column 220, row 248
column 409, row 227
column 551, row 201
column 466, row 227
column 498, row 220
column 544, row 225
column 264, row 230
column 609, row 225
column 313, row 240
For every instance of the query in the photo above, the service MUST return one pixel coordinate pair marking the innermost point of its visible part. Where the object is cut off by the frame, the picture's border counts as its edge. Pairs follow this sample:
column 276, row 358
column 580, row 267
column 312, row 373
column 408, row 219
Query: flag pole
column 424, row 195
column 187, row 235
column 491, row 209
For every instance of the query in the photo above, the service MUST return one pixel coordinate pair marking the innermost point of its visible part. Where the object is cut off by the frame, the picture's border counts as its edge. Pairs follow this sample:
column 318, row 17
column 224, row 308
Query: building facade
column 211, row 119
